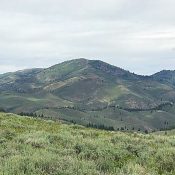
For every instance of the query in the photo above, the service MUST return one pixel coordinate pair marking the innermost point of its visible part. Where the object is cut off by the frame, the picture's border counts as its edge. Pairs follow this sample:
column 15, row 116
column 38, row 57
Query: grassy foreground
column 34, row 146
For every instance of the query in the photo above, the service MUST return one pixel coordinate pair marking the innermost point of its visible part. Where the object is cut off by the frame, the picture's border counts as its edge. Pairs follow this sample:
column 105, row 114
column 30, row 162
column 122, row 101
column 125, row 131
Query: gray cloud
column 135, row 35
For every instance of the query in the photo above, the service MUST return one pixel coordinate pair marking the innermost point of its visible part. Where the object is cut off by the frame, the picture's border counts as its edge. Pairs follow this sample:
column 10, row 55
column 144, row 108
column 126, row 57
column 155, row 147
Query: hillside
column 34, row 146
column 165, row 76
column 92, row 92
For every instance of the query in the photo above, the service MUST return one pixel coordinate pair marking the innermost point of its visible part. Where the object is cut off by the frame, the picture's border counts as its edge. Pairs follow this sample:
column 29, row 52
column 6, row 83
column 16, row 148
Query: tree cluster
column 108, row 128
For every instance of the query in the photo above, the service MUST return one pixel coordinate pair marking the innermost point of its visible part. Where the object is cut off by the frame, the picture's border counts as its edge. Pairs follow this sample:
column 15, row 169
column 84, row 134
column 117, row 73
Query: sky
column 137, row 35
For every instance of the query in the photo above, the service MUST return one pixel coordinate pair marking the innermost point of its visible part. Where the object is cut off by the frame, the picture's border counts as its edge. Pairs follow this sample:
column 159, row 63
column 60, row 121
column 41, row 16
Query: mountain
column 165, row 76
column 92, row 92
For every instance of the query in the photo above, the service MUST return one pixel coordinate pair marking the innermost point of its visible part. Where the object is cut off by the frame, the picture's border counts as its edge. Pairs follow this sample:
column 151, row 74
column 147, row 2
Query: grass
column 35, row 146
column 145, row 120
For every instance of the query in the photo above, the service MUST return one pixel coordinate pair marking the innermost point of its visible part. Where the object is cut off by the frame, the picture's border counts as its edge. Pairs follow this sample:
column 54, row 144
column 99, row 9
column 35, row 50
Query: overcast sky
column 137, row 35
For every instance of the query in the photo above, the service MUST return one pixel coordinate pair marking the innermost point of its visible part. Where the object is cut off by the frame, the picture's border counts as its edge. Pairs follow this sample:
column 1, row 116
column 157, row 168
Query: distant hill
column 92, row 92
column 165, row 76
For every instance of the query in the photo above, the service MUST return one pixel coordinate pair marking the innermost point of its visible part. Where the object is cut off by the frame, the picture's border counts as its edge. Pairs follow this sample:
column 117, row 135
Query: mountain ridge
column 91, row 60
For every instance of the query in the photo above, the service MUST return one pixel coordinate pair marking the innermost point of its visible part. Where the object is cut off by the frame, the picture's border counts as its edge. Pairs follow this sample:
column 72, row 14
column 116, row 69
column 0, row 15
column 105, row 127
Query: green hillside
column 34, row 146
column 91, row 92
column 166, row 76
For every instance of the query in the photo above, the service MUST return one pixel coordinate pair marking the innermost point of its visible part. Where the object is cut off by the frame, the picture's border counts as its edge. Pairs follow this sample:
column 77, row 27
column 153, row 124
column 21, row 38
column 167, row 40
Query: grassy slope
column 144, row 120
column 34, row 146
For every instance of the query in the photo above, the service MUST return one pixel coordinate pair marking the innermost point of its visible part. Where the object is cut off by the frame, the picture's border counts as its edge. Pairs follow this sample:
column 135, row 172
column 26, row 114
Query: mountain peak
column 165, row 76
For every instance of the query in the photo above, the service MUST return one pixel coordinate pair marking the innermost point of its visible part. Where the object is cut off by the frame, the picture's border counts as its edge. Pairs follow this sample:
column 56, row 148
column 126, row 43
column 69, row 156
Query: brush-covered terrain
column 34, row 146
column 91, row 92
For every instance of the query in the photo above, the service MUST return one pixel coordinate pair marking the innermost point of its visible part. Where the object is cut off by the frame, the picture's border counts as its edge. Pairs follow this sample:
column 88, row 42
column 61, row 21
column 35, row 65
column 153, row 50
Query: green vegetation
column 33, row 146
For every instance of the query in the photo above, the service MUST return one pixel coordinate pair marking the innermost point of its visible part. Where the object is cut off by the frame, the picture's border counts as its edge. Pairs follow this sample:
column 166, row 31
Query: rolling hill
column 92, row 92
column 35, row 146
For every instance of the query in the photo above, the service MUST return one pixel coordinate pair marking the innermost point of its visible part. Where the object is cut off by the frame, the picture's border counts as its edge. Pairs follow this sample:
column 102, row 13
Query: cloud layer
column 135, row 35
